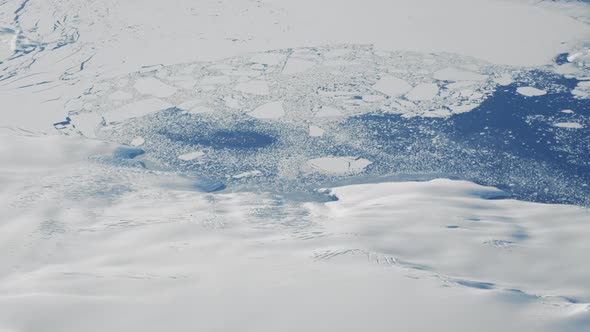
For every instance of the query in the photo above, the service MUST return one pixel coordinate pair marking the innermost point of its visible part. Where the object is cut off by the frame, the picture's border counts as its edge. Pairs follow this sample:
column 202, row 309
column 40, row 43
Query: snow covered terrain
column 294, row 165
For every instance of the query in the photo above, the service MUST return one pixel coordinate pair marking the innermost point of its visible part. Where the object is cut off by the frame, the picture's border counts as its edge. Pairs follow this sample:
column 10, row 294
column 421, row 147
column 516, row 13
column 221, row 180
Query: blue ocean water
column 509, row 142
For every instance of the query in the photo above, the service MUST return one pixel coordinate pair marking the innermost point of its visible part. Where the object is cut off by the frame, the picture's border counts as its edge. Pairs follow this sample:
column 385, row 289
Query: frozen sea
column 281, row 166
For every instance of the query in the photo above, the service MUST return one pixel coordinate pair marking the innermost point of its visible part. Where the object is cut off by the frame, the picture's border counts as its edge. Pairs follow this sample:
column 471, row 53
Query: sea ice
column 424, row 91
column 136, row 109
column 269, row 59
column 191, row 155
column 456, row 74
column 327, row 112
column 247, row 174
column 272, row 110
column 120, row 95
column 530, row 91
column 315, row 131
column 392, row 86
column 255, row 87
column 570, row 125
column 339, row 165
column 154, row 87
column 582, row 90
column 295, row 65
column 137, row 141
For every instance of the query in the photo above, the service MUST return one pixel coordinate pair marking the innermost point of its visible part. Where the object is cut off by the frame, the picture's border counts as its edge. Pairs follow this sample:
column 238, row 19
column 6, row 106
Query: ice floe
column 136, row 109
column 255, row 87
column 295, row 65
column 570, row 125
column 247, row 174
column 582, row 90
column 392, row 86
column 272, row 110
column 339, row 165
column 504, row 80
column 424, row 91
column 191, row 155
column 120, row 95
column 231, row 102
column 456, row 74
column 137, row 141
column 530, row 91
column 154, row 87
column 215, row 80
column 327, row 112
column 315, row 131
column 269, row 58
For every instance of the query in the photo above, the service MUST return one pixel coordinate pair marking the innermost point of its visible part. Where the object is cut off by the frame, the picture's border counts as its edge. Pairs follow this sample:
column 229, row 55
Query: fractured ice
column 279, row 114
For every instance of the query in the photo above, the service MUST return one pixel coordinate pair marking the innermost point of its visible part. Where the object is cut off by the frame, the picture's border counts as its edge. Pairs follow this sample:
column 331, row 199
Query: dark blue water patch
column 127, row 153
column 62, row 124
column 453, row 227
column 414, row 266
column 561, row 59
column 520, row 235
column 572, row 300
column 476, row 284
column 224, row 139
column 490, row 194
column 320, row 196
column 120, row 161
column 124, row 156
column 207, row 185
column 241, row 136
column 238, row 139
